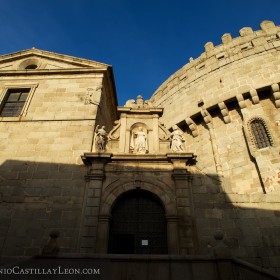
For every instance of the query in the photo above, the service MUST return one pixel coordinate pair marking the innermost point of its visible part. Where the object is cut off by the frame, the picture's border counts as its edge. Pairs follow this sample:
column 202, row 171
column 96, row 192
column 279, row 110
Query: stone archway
column 115, row 191
column 138, row 224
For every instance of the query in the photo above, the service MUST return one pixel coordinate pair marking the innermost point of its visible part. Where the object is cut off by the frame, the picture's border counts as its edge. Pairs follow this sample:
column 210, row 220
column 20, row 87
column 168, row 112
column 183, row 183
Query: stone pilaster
column 185, row 230
column 172, row 235
column 102, row 234
column 93, row 193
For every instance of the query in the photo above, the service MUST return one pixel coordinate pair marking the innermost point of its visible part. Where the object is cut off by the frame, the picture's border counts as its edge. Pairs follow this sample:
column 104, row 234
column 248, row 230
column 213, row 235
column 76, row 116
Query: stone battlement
column 218, row 74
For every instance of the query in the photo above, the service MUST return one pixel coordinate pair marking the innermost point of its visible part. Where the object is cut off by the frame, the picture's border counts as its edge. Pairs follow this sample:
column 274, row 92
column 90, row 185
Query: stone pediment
column 35, row 59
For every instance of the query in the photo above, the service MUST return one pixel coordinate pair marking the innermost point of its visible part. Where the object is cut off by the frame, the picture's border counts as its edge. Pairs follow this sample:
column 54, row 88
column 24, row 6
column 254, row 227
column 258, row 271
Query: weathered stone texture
column 234, row 83
column 42, row 182
column 221, row 195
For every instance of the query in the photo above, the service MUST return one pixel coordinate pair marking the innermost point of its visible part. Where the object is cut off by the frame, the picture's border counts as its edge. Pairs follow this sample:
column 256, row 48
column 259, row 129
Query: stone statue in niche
column 139, row 143
column 177, row 140
column 100, row 139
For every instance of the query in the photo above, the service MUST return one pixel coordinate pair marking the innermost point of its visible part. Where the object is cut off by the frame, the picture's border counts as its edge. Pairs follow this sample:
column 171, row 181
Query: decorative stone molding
column 163, row 132
column 139, row 130
column 275, row 89
column 224, row 112
column 206, row 116
column 192, row 126
column 276, row 94
column 241, row 101
column 33, row 61
column 112, row 193
column 11, row 86
column 255, row 96
column 114, row 134
column 139, row 103
column 89, row 99
column 89, row 158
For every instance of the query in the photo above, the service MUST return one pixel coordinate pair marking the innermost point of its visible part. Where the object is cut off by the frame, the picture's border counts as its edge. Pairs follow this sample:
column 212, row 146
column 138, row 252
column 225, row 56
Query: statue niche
column 138, row 139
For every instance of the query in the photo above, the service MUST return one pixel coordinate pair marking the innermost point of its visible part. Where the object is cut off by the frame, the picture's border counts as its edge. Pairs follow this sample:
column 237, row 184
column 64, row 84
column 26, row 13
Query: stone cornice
column 126, row 110
column 52, row 71
column 97, row 161
column 89, row 157
column 51, row 55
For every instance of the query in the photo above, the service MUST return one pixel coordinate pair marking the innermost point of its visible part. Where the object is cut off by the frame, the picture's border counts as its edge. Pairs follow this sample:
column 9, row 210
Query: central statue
column 139, row 143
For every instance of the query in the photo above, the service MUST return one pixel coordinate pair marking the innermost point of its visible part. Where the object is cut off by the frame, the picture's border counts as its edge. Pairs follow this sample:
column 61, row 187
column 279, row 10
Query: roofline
column 43, row 53
column 30, row 72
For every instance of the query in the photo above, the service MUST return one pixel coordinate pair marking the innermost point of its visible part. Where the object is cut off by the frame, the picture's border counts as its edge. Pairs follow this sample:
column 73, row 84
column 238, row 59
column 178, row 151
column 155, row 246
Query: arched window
column 260, row 133
column 138, row 225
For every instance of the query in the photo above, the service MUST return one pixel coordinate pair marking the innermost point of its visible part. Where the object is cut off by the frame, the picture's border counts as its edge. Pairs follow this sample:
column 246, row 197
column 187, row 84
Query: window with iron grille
column 13, row 102
column 260, row 133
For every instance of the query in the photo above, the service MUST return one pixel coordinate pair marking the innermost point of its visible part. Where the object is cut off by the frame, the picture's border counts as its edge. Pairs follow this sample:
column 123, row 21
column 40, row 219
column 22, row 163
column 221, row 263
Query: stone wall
column 42, row 181
column 235, row 187
column 221, row 73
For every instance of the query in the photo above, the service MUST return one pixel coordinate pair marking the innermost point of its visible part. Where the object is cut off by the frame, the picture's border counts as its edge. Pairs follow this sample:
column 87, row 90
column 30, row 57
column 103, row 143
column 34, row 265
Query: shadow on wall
column 38, row 198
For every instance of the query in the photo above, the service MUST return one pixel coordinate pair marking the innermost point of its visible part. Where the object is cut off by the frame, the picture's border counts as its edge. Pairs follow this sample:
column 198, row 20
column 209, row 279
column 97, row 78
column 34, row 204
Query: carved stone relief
column 90, row 95
column 139, row 103
column 163, row 132
column 114, row 134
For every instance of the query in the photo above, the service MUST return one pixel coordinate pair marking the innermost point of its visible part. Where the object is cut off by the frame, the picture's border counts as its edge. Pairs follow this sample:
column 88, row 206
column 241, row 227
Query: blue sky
column 145, row 41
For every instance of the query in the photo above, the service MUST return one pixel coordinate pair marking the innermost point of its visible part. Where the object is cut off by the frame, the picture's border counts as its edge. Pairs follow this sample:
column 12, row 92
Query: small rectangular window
column 13, row 102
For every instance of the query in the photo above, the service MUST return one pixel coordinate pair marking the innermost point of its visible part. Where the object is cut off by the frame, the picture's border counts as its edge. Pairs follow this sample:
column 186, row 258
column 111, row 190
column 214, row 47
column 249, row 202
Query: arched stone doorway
column 138, row 224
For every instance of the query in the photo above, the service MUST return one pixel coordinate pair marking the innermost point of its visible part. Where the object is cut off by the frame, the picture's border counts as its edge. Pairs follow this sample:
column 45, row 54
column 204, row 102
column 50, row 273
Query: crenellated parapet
column 236, row 68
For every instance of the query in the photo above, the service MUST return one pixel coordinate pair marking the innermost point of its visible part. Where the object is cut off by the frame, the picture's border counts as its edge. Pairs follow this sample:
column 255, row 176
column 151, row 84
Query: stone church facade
column 194, row 170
